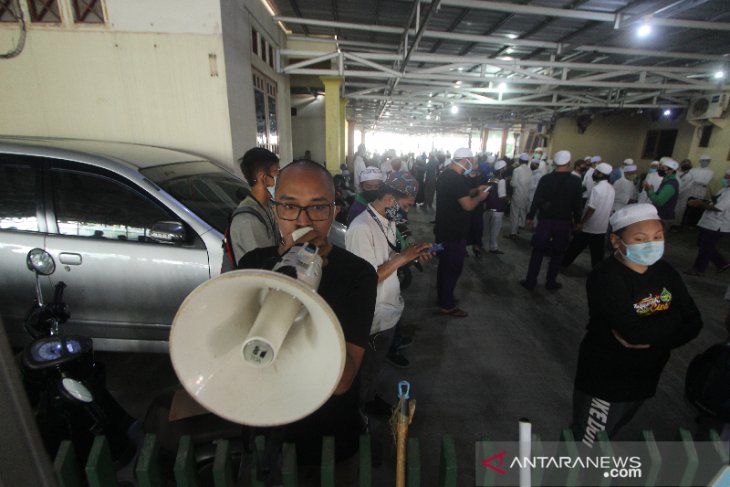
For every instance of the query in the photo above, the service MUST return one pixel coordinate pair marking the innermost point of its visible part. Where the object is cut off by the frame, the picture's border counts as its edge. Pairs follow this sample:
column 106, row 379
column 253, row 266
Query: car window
column 94, row 206
column 18, row 201
column 207, row 190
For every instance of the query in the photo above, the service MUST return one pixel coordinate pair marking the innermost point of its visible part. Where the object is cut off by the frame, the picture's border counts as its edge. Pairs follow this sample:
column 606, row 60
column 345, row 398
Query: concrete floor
column 513, row 357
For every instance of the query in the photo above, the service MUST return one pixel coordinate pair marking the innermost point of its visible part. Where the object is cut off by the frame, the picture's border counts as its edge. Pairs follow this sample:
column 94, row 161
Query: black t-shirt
column 653, row 308
column 452, row 221
column 348, row 285
column 557, row 197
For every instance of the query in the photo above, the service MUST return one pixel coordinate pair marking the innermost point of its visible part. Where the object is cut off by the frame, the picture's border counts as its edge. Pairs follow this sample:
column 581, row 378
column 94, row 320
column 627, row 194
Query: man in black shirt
column 456, row 199
column 557, row 202
column 305, row 196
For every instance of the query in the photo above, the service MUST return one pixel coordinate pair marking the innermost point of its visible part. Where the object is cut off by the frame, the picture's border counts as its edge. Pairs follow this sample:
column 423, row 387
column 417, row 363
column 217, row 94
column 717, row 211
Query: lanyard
column 396, row 246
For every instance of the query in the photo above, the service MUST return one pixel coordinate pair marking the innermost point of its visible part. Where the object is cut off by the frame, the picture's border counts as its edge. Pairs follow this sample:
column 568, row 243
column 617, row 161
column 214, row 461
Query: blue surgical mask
column 466, row 171
column 723, row 183
column 646, row 253
column 393, row 212
column 652, row 169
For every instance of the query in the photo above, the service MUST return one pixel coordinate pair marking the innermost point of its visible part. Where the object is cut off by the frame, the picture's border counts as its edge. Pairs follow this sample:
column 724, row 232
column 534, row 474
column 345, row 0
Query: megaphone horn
column 257, row 361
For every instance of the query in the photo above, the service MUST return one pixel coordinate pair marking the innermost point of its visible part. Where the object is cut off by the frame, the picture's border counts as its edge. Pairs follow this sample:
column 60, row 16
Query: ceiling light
column 506, row 58
column 512, row 36
column 643, row 30
column 454, row 109
column 502, row 87
column 719, row 74
column 411, row 124
column 457, row 83
column 667, row 112
column 428, row 117
column 509, row 50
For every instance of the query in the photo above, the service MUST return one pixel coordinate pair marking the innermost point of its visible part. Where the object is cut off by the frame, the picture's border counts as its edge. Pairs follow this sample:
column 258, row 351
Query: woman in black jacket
column 639, row 311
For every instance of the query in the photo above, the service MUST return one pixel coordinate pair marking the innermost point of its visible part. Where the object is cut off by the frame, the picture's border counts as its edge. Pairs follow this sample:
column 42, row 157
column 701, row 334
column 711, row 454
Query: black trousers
column 580, row 241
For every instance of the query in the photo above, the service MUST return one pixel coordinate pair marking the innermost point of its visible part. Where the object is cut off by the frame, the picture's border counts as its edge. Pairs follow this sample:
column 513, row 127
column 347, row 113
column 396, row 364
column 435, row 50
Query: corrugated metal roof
column 576, row 55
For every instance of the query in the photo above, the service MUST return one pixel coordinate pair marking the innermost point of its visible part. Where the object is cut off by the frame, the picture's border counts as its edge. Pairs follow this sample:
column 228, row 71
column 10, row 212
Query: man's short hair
column 256, row 160
column 309, row 164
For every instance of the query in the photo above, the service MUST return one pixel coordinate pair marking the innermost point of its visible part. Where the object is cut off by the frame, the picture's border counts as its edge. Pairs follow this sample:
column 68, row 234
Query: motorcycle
column 65, row 386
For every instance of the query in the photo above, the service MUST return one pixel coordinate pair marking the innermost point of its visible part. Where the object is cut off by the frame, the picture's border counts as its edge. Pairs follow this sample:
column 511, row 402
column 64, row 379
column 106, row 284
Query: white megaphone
column 258, row 347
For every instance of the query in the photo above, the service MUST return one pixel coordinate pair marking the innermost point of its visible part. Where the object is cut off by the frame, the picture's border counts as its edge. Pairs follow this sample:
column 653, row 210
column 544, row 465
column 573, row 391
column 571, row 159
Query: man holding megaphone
column 305, row 196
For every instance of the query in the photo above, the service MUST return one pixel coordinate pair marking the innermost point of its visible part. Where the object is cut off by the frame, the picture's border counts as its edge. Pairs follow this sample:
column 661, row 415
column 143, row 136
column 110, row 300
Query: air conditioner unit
column 708, row 106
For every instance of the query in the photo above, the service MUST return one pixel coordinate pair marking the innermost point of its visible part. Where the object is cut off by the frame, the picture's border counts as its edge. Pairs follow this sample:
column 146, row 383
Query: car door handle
column 69, row 259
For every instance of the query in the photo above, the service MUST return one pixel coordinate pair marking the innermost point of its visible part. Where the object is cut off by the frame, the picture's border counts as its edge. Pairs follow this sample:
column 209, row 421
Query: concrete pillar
column 350, row 143
column 332, row 122
column 343, row 131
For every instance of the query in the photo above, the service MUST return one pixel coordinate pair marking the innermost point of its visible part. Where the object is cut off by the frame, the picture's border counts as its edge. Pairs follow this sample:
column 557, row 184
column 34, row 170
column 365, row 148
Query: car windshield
column 206, row 189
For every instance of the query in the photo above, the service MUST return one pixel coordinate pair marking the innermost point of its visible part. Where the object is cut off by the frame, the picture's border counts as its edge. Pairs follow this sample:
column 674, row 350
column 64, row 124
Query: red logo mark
column 488, row 463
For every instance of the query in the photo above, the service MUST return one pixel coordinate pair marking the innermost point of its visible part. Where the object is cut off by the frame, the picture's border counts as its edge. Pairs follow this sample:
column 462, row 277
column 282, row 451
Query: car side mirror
column 168, row 232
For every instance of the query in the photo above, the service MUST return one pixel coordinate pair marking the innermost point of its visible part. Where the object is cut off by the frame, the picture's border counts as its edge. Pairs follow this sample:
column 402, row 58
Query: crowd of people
column 639, row 306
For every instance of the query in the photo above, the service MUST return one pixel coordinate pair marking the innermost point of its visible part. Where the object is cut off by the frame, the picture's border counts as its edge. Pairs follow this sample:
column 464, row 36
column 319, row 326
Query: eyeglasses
column 291, row 212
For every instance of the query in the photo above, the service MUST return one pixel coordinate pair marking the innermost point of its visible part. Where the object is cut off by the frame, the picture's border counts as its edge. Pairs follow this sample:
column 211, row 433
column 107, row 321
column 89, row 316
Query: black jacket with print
column 652, row 309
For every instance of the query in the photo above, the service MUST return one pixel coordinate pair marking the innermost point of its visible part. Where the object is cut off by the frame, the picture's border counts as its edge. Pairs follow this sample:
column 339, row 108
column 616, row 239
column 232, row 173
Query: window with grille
column 88, row 11
column 262, row 48
column 265, row 100
column 44, row 11
column 8, row 11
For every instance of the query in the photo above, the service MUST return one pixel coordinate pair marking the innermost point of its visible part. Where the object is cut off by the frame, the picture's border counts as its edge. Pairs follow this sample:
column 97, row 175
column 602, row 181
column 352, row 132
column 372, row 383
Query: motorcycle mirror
column 40, row 261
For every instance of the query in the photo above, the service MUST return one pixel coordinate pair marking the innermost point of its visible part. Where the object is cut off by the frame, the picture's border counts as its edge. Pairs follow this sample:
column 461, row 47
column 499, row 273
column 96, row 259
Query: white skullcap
column 596, row 159
column 604, row 168
column 631, row 214
column 371, row 174
column 587, row 158
column 654, row 163
column 628, row 162
column 491, row 159
column 524, row 156
column 462, row 153
column 500, row 164
column 671, row 164
column 561, row 158
column 630, row 168
column 539, row 149
column 705, row 157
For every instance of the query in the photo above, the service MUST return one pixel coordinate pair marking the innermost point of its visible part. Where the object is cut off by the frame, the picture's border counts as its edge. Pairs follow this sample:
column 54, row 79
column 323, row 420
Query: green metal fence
column 99, row 470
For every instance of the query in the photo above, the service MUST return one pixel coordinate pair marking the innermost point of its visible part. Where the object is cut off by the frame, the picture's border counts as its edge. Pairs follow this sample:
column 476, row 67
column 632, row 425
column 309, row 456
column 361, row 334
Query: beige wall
column 308, row 127
column 174, row 73
column 614, row 137
column 618, row 136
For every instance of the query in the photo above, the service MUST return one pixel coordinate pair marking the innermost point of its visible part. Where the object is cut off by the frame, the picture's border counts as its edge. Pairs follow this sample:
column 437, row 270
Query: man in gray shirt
column 253, row 224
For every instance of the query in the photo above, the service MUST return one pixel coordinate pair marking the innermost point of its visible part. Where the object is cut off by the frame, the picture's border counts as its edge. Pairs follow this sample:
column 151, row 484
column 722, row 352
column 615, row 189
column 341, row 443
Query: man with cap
column 652, row 177
column 588, row 177
column 372, row 236
column 537, row 174
column 665, row 198
column 639, row 310
column 625, row 188
column 701, row 179
column 618, row 171
column 371, row 179
column 495, row 205
column 358, row 165
column 520, row 202
column 253, row 224
column 686, row 182
column 714, row 224
column 593, row 225
column 557, row 202
column 456, row 200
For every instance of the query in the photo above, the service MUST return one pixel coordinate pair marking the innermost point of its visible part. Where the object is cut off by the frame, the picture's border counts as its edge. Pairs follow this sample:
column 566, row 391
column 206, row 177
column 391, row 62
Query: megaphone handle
column 272, row 324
